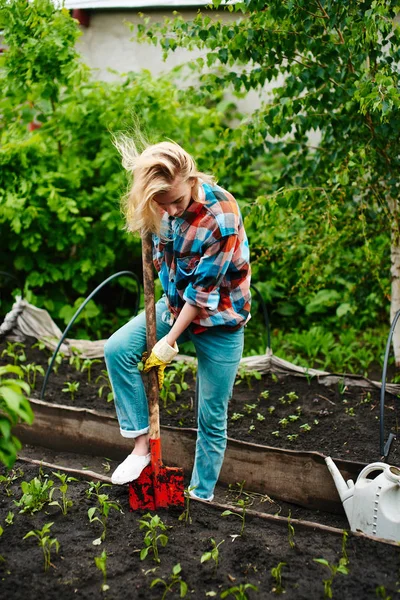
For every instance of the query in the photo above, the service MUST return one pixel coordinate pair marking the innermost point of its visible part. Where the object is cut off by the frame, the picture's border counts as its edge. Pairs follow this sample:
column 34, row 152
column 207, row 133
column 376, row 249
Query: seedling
column 152, row 538
column 249, row 408
column 247, row 375
column 350, row 411
column 174, row 579
column 271, row 409
column 283, row 422
column 39, row 345
column 185, row 516
column 292, row 543
column 252, row 428
column 292, row 437
column 274, row 377
column 31, row 372
column 63, row 489
column 15, row 351
column 260, row 417
column 87, row 366
column 57, row 361
column 305, row 427
column 106, row 385
column 76, row 358
column 101, row 564
column 291, row 397
column 239, row 591
column 298, row 410
column 167, row 392
column 316, row 422
column 45, row 542
column 36, row 493
column 243, row 504
column 334, row 570
column 212, row 554
column 71, row 387
column 275, row 433
column 236, row 416
column 293, row 418
column 9, row 518
column 9, row 479
column 276, row 573
column 264, row 395
column 94, row 488
column 104, row 509
column 380, row 592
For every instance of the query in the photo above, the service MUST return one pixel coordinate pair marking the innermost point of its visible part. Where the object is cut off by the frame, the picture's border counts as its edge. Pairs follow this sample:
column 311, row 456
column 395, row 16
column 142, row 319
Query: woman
column 201, row 253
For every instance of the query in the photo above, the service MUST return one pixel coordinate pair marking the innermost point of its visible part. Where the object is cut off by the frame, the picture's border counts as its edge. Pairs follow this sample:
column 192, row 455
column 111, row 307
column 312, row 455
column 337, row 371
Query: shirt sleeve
column 203, row 290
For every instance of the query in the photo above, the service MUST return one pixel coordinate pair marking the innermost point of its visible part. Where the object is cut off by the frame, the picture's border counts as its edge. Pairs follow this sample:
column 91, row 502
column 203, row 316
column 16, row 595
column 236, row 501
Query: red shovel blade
column 157, row 486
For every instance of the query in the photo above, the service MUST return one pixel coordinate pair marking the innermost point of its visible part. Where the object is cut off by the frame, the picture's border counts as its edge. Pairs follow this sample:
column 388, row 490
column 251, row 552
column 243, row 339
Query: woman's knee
column 121, row 347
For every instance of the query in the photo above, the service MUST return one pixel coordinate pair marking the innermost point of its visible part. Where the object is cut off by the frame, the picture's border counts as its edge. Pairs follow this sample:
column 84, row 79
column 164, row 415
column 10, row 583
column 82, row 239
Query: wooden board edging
column 288, row 475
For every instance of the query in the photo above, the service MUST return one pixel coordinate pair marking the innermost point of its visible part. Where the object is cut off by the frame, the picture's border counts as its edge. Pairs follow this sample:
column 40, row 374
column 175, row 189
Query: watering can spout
column 345, row 490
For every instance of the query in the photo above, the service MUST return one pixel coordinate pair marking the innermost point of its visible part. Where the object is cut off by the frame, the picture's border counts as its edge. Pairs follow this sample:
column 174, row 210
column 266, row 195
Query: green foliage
column 239, row 591
column 101, row 564
column 36, row 494
column 276, row 573
column 151, row 524
column 322, row 150
column 45, row 542
column 65, row 503
column 212, row 554
column 14, row 406
column 61, row 183
column 174, row 579
column 104, row 507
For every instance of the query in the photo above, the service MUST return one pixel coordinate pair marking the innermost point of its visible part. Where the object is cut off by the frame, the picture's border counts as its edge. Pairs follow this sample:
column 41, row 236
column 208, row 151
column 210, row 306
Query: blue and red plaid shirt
column 202, row 258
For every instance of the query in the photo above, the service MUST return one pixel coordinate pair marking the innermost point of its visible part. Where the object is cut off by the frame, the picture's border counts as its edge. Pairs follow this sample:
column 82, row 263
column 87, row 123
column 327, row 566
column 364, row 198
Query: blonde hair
column 153, row 171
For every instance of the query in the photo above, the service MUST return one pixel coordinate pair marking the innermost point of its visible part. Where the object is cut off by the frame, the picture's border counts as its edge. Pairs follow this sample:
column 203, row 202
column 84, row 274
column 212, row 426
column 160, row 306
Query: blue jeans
column 218, row 354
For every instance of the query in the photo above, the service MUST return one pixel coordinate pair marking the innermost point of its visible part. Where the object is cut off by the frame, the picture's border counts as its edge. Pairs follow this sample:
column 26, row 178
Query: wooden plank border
column 298, row 477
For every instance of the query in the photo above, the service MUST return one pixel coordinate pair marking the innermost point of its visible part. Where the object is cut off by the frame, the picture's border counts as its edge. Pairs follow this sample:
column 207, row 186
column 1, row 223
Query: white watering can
column 371, row 505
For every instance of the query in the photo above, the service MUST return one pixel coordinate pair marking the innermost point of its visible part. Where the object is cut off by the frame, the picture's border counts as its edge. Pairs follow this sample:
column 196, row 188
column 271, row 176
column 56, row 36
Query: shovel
column 157, row 486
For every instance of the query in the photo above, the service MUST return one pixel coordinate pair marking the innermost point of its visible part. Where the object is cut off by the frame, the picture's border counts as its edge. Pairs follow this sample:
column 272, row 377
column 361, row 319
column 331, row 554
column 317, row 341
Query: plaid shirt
column 202, row 258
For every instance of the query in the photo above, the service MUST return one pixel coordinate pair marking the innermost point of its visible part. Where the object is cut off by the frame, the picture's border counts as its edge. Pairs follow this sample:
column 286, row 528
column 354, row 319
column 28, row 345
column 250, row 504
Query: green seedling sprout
column 292, row 543
column 249, row 408
column 306, row 427
column 105, row 505
column 274, row 377
column 106, row 385
column 95, row 488
column 9, row 479
column 292, row 437
column 247, row 375
column 31, row 372
column 39, row 345
column 236, row 416
column 174, row 579
column 334, row 570
column 291, row 397
column 275, row 433
column 71, row 387
column 243, row 504
column 101, row 564
column 15, row 351
column 36, row 493
column 185, row 516
column 293, row 418
column 152, row 538
column 260, row 417
column 276, row 573
column 212, row 554
column 64, row 503
column 75, row 360
column 57, row 361
column 2, row 559
column 9, row 518
column 239, row 591
column 264, row 395
column 87, row 366
column 45, row 542
column 283, row 422
column 271, row 409
column 380, row 592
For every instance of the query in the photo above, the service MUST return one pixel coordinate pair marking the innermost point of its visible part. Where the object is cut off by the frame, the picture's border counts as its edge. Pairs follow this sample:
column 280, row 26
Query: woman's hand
column 160, row 356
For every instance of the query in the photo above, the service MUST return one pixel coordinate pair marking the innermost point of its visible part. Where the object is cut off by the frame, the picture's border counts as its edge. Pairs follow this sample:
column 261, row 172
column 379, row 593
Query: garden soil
column 243, row 559
column 281, row 411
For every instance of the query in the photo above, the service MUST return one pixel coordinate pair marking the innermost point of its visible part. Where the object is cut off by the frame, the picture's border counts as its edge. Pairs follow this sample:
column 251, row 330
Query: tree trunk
column 395, row 272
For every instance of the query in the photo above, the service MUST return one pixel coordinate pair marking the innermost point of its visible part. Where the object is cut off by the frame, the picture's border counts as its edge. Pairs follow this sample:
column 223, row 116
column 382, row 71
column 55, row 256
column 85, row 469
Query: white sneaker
column 130, row 469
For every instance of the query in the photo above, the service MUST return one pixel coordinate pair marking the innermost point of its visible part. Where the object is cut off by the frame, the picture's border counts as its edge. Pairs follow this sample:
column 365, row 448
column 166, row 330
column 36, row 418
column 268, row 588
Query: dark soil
column 246, row 559
column 342, row 423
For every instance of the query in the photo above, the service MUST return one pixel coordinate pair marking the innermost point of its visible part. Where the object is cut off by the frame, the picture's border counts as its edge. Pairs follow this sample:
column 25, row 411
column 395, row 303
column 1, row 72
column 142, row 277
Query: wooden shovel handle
column 151, row 332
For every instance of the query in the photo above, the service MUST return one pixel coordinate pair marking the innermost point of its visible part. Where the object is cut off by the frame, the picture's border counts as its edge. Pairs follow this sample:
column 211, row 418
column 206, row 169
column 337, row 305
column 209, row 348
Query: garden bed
column 282, row 411
column 243, row 560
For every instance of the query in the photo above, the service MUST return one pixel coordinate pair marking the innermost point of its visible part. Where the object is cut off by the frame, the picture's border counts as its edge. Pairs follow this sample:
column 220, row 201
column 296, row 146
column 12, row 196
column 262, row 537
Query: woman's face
column 176, row 201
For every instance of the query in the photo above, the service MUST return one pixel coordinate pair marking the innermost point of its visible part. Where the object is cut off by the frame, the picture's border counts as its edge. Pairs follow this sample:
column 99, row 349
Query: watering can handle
column 151, row 332
column 372, row 467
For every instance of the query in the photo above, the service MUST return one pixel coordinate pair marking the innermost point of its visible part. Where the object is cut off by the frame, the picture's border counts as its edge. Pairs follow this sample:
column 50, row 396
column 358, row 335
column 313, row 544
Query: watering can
column 371, row 505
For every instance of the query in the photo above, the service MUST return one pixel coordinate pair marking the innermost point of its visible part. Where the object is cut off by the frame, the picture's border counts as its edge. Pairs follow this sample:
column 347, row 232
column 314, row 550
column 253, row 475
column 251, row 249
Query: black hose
column 385, row 448
column 82, row 306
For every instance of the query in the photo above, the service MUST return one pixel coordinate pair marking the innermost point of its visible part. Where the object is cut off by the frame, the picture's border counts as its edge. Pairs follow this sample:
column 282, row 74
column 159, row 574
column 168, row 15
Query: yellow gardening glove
column 161, row 355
